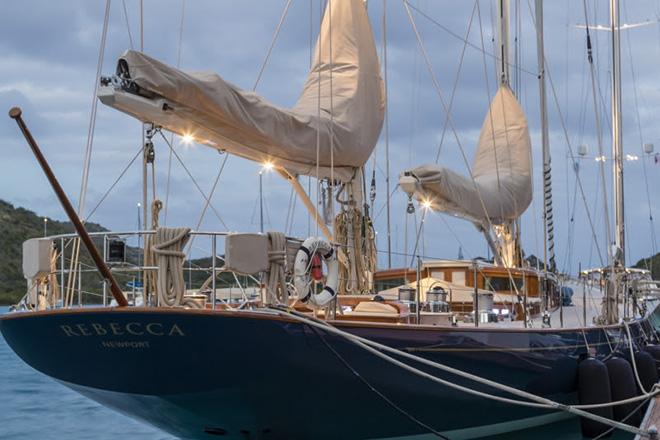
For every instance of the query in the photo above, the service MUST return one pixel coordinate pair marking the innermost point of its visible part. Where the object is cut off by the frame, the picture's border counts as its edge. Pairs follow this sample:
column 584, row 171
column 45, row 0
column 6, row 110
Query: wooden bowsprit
column 15, row 113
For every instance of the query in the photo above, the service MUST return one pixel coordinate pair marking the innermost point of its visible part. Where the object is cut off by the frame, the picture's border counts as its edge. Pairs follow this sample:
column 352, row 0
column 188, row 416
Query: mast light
column 187, row 139
column 267, row 166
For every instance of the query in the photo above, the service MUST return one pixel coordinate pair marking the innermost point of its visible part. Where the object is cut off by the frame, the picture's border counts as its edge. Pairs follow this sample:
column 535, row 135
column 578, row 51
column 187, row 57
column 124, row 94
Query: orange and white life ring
column 302, row 271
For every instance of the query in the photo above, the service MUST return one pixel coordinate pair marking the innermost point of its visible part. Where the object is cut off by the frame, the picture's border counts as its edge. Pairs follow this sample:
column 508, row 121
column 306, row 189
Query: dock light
column 631, row 157
column 187, row 139
column 600, row 158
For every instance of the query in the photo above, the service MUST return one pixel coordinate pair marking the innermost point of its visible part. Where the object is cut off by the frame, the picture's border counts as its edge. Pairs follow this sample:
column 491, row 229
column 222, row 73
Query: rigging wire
column 599, row 133
column 92, row 117
column 141, row 25
column 490, row 113
column 169, row 155
column 272, row 44
column 457, row 36
column 121, row 175
column 75, row 264
column 568, row 143
column 128, row 26
column 178, row 158
column 641, row 146
column 288, row 221
column 457, row 77
column 208, row 201
column 373, row 389
column 318, row 133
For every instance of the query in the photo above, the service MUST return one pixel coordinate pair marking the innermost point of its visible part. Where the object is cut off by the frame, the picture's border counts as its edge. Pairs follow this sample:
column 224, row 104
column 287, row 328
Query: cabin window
column 503, row 284
column 458, row 277
column 438, row 275
column 381, row 285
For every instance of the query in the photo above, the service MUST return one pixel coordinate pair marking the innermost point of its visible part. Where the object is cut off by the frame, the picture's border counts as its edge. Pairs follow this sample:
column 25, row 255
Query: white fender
column 301, row 271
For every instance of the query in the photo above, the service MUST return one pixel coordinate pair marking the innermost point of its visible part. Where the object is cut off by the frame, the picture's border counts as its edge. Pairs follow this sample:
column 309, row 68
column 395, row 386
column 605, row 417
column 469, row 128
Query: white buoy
column 583, row 150
column 648, row 148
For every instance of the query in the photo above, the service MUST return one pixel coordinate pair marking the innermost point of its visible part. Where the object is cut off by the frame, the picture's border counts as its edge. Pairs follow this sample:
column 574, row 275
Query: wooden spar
column 15, row 113
column 306, row 200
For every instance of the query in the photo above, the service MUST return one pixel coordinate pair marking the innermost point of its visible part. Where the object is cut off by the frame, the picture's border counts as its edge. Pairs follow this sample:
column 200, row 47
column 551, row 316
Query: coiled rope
column 167, row 248
column 275, row 277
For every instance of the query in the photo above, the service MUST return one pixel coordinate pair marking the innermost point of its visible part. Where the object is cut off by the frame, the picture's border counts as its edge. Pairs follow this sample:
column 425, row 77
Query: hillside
column 16, row 226
column 19, row 224
column 651, row 263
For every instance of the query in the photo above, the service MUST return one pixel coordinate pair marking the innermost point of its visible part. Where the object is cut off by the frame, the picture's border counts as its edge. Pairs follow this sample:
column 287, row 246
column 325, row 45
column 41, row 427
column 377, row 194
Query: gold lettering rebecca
column 175, row 330
column 68, row 330
column 151, row 331
column 131, row 328
column 98, row 328
column 117, row 329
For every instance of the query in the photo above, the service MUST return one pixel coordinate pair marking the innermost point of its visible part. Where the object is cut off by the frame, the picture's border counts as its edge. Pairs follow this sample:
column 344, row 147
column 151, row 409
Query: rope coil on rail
column 167, row 248
column 275, row 276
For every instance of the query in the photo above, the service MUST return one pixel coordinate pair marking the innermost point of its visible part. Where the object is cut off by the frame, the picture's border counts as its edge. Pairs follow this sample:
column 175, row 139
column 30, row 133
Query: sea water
column 34, row 406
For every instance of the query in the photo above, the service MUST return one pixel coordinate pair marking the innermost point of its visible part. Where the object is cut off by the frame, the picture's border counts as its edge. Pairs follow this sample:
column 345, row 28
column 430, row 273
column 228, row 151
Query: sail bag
column 336, row 121
column 501, row 185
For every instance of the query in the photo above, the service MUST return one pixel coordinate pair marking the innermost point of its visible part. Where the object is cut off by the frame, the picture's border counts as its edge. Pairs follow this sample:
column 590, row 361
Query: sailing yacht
column 443, row 350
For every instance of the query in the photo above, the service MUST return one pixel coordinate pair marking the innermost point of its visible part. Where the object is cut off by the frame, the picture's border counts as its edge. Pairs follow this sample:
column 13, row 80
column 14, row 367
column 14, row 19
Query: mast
column 503, row 41
column 548, row 224
column 507, row 233
column 387, row 143
column 617, row 138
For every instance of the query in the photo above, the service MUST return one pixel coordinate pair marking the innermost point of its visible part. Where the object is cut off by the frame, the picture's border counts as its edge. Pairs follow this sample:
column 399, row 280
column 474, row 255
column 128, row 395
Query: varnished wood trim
column 273, row 316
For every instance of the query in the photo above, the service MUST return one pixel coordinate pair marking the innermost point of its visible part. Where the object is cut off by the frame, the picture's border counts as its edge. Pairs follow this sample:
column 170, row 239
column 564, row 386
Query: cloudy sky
column 49, row 52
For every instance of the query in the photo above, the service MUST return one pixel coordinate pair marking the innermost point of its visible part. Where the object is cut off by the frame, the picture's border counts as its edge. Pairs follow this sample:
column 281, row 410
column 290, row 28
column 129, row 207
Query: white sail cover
column 336, row 121
column 502, row 170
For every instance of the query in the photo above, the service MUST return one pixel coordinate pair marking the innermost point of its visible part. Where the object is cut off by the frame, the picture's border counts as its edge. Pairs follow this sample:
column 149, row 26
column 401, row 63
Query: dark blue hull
column 253, row 375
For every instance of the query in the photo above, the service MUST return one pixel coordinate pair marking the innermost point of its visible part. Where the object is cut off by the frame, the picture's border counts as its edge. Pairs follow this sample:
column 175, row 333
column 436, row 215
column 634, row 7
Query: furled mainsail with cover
column 502, row 170
column 339, row 113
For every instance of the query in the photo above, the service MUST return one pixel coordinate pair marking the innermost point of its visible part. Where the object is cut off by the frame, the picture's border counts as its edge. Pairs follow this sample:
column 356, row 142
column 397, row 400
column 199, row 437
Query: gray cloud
column 49, row 52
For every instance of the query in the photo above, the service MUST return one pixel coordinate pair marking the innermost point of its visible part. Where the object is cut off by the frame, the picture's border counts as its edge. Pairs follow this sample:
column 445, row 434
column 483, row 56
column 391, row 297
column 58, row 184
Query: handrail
column 133, row 269
column 138, row 232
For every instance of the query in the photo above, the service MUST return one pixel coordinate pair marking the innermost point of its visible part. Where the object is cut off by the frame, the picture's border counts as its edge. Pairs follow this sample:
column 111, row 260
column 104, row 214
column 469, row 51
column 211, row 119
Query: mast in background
column 505, row 245
column 610, row 312
column 548, row 223
column 619, row 254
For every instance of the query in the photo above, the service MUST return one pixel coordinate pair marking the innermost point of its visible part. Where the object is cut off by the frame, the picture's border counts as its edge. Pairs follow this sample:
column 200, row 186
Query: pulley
column 410, row 209
column 149, row 151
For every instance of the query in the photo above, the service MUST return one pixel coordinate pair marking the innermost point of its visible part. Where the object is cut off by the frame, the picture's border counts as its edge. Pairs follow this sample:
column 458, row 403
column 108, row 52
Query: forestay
column 340, row 110
column 502, row 170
